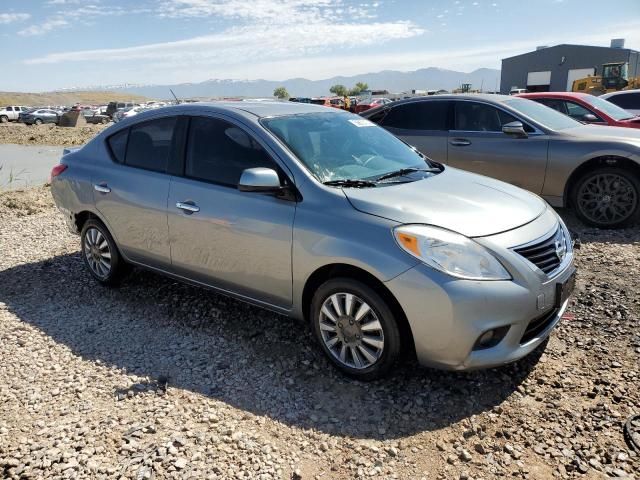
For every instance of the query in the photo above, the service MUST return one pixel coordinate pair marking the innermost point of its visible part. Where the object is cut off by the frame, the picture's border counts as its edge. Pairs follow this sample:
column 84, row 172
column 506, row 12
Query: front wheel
column 356, row 328
column 38, row 121
column 4, row 119
column 607, row 197
column 100, row 253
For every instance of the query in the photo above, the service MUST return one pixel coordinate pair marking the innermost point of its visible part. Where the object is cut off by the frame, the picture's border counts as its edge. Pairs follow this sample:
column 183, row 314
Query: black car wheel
column 356, row 328
column 607, row 197
column 4, row 119
column 37, row 121
column 101, row 255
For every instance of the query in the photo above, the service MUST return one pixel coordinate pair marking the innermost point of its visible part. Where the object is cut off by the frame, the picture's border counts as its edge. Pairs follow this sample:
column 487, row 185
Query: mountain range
column 431, row 78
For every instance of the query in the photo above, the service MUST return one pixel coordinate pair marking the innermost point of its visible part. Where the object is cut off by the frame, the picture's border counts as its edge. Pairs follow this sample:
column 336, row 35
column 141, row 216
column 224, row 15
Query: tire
column 607, row 197
column 4, row 119
column 377, row 348
column 101, row 255
column 37, row 121
column 104, row 121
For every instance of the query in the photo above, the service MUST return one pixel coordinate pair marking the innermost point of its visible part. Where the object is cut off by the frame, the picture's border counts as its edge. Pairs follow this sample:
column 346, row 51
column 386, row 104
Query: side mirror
column 514, row 128
column 589, row 118
column 264, row 180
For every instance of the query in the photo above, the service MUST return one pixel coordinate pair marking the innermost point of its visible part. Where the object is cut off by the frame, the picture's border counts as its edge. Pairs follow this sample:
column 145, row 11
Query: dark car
column 40, row 116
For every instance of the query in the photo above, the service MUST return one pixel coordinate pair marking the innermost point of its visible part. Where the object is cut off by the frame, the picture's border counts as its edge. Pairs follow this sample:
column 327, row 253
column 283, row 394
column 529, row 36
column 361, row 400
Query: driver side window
column 481, row 117
column 218, row 152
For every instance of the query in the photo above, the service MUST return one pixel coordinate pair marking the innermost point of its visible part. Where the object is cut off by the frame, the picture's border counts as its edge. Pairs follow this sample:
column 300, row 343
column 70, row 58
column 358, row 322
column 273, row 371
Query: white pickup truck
column 10, row 114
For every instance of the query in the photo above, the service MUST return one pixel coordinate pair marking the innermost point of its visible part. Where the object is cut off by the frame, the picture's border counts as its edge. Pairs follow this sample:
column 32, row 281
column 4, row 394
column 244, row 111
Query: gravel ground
column 47, row 134
column 161, row 380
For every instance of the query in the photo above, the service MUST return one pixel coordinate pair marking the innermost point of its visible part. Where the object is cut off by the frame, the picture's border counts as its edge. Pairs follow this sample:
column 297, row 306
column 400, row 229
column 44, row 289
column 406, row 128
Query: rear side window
column 431, row 115
column 149, row 144
column 626, row 100
column 218, row 152
column 118, row 145
column 557, row 105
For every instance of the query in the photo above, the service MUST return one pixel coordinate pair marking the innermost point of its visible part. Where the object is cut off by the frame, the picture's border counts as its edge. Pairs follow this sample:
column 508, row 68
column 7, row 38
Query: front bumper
column 447, row 316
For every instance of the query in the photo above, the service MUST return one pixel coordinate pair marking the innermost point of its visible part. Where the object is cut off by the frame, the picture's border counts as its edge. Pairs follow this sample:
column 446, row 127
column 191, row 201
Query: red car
column 586, row 108
column 367, row 104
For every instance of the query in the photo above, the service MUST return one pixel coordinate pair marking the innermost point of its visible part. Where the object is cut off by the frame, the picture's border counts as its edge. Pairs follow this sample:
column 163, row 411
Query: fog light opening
column 490, row 338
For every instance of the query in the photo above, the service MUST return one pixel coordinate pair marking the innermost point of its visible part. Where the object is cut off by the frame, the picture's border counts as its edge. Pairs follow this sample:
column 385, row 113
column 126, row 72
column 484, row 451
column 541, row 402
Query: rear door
column 131, row 191
column 220, row 236
column 477, row 144
column 422, row 124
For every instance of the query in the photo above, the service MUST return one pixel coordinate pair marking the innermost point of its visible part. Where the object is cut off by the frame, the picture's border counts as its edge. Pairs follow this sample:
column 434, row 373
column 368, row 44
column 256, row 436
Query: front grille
column 547, row 254
column 537, row 326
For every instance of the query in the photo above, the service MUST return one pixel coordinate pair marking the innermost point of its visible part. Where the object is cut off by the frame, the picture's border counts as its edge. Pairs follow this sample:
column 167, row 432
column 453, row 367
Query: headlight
column 450, row 252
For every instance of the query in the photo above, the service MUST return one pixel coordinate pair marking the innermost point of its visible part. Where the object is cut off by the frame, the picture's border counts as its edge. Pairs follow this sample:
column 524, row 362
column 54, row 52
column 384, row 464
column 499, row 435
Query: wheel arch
column 598, row 162
column 336, row 270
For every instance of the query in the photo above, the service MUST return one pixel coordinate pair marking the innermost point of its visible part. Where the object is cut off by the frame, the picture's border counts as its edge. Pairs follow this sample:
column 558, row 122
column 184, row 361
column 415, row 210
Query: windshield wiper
column 348, row 182
column 404, row 171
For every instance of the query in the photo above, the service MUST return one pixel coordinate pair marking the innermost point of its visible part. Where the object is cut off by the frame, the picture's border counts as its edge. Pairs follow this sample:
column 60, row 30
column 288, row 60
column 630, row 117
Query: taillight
column 57, row 170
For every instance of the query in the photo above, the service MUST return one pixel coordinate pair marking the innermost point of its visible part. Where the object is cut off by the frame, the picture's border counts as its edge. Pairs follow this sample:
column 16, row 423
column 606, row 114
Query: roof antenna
column 174, row 96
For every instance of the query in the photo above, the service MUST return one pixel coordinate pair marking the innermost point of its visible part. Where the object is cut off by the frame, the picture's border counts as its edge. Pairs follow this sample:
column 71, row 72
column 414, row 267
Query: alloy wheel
column 351, row 330
column 607, row 198
column 97, row 253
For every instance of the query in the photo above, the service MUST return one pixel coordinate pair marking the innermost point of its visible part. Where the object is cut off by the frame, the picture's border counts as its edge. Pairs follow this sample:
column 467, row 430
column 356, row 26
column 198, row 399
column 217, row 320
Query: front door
column 220, row 236
column 477, row 144
column 423, row 125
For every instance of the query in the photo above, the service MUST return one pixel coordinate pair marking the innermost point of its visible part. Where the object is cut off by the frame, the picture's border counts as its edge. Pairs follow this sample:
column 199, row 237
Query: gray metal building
column 553, row 69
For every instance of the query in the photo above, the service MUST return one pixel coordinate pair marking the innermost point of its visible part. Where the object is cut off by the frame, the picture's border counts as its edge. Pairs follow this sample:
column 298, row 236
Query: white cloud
column 6, row 18
column 248, row 44
column 44, row 27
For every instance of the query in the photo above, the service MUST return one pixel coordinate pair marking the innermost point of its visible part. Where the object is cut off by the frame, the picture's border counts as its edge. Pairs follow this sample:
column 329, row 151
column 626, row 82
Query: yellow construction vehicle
column 614, row 77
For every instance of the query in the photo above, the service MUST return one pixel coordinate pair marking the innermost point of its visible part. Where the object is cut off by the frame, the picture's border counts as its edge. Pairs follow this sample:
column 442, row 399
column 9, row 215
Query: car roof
column 259, row 109
column 553, row 95
column 620, row 92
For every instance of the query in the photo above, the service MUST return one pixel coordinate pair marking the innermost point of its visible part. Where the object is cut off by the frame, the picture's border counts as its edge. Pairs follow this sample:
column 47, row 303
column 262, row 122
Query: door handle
column 460, row 142
column 188, row 207
column 102, row 188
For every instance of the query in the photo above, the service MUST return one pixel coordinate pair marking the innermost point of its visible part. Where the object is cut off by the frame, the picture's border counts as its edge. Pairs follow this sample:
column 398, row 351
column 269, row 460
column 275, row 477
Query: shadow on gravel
column 590, row 234
column 244, row 356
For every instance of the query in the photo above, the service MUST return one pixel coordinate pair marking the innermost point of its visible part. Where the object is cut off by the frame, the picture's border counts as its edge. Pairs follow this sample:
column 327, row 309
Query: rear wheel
column 355, row 328
column 100, row 253
column 607, row 197
column 4, row 119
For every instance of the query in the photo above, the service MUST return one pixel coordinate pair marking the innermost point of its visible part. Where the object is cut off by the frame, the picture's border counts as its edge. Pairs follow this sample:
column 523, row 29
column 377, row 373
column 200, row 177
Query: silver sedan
column 321, row 215
column 594, row 169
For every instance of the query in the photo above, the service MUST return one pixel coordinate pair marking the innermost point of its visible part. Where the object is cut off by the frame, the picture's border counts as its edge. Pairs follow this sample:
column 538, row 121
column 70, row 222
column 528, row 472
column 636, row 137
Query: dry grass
column 66, row 98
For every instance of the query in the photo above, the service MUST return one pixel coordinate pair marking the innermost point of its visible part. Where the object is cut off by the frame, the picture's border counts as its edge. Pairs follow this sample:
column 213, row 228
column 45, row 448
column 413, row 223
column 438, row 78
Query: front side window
column 149, row 144
column 9, row 109
column 578, row 112
column 218, row 151
column 429, row 115
column 339, row 146
column 541, row 114
column 609, row 108
column 480, row 117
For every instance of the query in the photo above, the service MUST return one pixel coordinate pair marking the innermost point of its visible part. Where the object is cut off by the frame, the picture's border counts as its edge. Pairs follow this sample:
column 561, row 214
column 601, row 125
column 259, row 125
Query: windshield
column 614, row 111
column 340, row 146
column 546, row 116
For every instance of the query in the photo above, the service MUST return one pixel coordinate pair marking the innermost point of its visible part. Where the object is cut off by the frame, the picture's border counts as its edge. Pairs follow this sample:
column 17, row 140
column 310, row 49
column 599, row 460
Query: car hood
column 603, row 133
column 466, row 203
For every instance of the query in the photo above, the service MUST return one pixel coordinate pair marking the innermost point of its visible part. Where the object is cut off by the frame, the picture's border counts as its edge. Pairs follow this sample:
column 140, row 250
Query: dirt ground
column 48, row 134
column 157, row 379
